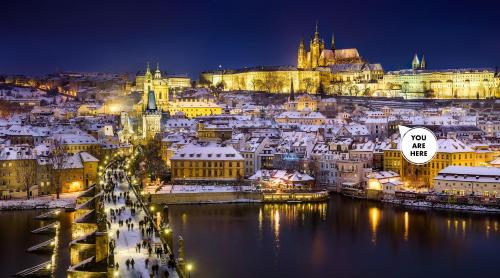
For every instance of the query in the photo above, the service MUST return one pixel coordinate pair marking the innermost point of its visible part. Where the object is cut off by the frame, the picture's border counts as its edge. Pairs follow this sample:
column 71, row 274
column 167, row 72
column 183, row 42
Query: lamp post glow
column 189, row 267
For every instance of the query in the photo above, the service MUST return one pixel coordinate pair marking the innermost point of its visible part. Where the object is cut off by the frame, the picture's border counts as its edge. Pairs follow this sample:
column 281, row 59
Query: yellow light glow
column 189, row 267
column 374, row 185
column 374, row 219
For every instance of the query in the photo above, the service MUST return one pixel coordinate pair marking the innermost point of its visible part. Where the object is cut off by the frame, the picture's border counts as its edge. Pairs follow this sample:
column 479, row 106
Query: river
column 16, row 237
column 340, row 238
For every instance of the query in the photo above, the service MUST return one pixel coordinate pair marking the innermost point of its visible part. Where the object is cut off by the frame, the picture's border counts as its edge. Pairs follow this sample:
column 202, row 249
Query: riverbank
column 66, row 201
column 440, row 206
column 188, row 194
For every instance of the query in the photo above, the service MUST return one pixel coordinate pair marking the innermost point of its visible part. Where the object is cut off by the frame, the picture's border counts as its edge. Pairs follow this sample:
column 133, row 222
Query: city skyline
column 190, row 37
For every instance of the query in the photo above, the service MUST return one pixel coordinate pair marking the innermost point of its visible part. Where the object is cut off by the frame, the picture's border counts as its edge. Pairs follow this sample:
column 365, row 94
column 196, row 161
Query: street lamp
column 189, row 267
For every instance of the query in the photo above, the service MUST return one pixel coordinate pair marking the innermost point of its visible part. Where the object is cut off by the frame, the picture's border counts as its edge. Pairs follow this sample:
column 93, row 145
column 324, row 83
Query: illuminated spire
column 316, row 33
column 415, row 64
column 423, row 64
column 333, row 42
column 148, row 70
column 292, row 94
column 157, row 72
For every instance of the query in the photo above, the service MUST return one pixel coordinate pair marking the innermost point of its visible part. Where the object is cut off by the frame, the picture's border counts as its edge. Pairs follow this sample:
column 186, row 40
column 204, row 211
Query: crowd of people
column 116, row 193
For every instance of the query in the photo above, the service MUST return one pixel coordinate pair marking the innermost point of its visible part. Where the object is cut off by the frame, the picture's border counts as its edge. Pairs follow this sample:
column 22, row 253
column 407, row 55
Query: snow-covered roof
column 452, row 145
column 471, row 170
column 17, row 153
column 210, row 152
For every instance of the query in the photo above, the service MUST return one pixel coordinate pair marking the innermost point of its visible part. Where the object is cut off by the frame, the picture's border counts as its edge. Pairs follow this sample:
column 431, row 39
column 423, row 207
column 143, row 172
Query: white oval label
column 418, row 145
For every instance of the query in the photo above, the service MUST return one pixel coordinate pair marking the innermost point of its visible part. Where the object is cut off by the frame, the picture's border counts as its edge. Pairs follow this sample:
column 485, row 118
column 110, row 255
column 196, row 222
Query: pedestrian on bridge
column 117, row 234
column 132, row 262
column 127, row 262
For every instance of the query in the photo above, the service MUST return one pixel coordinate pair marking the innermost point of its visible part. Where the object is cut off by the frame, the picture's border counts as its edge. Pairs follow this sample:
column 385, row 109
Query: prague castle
column 345, row 72
column 316, row 68
column 318, row 56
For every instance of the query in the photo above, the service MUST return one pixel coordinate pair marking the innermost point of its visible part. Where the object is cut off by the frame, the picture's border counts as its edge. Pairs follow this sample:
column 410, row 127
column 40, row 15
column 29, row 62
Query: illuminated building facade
column 21, row 168
column 451, row 152
column 192, row 109
column 473, row 83
column 314, row 67
column 465, row 181
column 212, row 163
column 162, row 86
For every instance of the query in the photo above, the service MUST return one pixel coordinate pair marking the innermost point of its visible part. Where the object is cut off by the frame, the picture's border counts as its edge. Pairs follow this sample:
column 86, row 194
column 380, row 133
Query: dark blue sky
column 191, row 36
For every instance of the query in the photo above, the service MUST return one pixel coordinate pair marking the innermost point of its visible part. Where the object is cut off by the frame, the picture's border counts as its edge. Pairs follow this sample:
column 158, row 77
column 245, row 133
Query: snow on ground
column 167, row 189
column 44, row 202
column 127, row 241
column 425, row 204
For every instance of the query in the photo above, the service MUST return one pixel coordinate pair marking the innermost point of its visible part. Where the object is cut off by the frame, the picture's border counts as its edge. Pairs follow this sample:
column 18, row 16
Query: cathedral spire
column 148, row 70
column 333, row 42
column 316, row 33
column 423, row 64
column 415, row 64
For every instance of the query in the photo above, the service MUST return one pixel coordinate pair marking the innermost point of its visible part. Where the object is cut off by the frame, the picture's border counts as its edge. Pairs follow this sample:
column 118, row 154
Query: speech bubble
column 418, row 144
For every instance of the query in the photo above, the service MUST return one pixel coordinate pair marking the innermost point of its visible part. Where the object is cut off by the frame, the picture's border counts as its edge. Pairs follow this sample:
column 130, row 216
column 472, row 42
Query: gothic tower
column 148, row 79
column 151, row 117
column 415, row 64
column 315, row 48
column 423, row 64
column 333, row 43
column 301, row 56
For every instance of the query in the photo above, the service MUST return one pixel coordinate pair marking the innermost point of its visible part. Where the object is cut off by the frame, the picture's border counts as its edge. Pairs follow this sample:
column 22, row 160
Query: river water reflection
column 341, row 238
column 16, row 237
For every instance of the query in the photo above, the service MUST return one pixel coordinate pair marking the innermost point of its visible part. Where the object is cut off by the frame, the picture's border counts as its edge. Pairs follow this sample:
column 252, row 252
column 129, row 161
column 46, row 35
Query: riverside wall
column 205, row 197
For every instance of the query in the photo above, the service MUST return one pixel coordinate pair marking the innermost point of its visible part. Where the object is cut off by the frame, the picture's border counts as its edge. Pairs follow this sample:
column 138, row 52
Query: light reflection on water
column 318, row 239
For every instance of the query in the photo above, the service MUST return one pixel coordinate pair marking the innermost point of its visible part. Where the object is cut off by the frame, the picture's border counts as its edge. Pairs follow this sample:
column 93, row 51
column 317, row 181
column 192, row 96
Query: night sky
column 39, row 37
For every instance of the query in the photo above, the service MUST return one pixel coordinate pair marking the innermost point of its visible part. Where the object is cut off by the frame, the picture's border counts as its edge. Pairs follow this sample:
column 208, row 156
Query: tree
column 26, row 174
column 337, row 86
column 308, row 84
column 217, row 89
column 57, row 157
column 429, row 93
column 270, row 83
column 321, row 90
column 149, row 162
column 353, row 90
column 405, row 88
